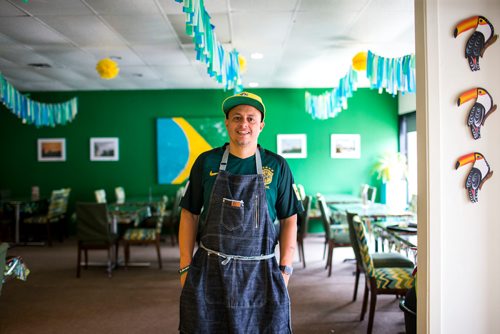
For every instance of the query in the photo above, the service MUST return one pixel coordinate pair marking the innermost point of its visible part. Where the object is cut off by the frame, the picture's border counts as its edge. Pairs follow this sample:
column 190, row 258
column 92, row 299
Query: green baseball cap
column 244, row 98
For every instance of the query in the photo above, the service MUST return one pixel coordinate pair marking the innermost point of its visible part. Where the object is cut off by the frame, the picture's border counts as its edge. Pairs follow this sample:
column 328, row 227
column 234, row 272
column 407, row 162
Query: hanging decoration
column 483, row 37
column 479, row 173
column 392, row 74
column 359, row 61
column 107, row 68
column 33, row 112
column 242, row 61
column 482, row 108
column 222, row 65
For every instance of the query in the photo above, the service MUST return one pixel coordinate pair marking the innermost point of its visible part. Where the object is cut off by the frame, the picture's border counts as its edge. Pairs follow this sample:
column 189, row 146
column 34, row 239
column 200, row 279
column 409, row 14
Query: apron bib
column 234, row 284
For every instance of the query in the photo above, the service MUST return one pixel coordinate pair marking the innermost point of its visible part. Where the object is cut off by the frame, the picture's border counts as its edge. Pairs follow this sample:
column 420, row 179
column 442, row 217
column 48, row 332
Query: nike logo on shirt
column 213, row 174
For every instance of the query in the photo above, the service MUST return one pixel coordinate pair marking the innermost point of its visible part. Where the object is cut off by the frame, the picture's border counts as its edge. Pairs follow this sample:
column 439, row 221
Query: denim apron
column 234, row 284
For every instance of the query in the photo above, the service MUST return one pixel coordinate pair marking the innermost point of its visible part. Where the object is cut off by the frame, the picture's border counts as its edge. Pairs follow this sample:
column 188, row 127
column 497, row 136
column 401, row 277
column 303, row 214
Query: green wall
column 130, row 116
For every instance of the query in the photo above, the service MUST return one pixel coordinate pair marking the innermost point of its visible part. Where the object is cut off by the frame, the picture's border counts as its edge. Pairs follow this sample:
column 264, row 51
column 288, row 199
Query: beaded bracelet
column 184, row 270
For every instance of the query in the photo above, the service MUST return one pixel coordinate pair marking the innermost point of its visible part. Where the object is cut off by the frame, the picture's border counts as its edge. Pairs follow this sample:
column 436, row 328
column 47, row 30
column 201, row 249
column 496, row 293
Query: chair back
column 366, row 258
column 58, row 204
column 303, row 217
column 92, row 222
column 325, row 216
column 3, row 255
column 352, row 236
column 100, row 196
column 120, row 195
column 371, row 194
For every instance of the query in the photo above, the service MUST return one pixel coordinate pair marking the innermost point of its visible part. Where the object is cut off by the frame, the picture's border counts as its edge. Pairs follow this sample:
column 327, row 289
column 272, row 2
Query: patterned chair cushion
column 140, row 234
column 394, row 278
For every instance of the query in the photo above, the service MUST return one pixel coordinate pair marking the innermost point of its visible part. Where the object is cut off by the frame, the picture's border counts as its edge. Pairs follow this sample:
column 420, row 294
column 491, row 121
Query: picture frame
column 104, row 149
column 51, row 149
column 292, row 146
column 345, row 146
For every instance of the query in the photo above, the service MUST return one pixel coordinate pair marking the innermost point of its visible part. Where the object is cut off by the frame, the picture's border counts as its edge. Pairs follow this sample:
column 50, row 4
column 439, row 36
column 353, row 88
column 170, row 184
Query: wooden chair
column 380, row 260
column 56, row 213
column 303, row 220
column 140, row 235
column 336, row 235
column 395, row 281
column 93, row 233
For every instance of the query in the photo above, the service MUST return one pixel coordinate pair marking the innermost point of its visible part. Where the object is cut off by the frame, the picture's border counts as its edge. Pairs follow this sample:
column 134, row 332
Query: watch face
column 286, row 270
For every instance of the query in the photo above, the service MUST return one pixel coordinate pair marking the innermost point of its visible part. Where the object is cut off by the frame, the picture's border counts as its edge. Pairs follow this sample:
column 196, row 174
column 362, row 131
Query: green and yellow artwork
column 181, row 140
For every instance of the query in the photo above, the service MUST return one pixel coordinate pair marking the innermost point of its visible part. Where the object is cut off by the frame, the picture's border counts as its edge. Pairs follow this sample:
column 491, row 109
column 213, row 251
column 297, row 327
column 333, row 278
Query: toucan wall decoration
column 482, row 108
column 481, row 39
column 479, row 173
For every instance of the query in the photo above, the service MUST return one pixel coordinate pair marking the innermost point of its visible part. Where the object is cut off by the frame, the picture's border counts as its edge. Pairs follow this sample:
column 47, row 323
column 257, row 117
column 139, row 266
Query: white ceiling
column 305, row 43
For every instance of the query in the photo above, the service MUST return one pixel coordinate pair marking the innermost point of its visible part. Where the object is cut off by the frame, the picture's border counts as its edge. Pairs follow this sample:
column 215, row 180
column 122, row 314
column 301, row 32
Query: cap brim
column 234, row 101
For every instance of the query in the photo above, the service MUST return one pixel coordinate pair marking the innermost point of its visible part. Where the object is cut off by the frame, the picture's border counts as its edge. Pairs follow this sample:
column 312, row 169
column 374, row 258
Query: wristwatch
column 287, row 270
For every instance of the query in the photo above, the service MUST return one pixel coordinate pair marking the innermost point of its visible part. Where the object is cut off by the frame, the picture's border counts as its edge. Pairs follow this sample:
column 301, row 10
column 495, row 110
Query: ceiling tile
column 144, row 29
column 161, row 55
column 28, row 30
column 54, row 7
column 7, row 9
column 84, row 30
column 124, row 7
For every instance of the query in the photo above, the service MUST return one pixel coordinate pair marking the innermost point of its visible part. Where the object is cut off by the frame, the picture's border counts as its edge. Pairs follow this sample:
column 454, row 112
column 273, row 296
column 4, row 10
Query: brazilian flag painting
column 181, row 140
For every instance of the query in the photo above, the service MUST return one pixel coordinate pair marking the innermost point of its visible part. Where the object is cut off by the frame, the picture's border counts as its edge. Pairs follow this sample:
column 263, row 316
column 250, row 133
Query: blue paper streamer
column 33, row 112
column 392, row 74
column 222, row 65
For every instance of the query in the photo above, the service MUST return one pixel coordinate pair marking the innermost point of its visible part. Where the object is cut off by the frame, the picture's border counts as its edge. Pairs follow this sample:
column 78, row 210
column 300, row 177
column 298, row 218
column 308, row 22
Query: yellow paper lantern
column 243, row 63
column 107, row 68
column 359, row 61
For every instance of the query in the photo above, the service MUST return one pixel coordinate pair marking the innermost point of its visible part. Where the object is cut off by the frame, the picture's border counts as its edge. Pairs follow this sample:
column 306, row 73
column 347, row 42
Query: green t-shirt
column 281, row 199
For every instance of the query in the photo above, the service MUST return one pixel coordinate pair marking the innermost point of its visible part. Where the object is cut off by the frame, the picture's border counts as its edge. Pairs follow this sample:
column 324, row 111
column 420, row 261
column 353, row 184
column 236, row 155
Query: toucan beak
column 466, row 25
column 467, row 96
column 466, row 159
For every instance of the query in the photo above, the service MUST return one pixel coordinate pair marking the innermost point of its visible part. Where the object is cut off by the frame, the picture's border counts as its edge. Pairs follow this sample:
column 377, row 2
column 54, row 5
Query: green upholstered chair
column 336, row 235
column 3, row 254
column 120, row 195
column 93, row 233
column 56, row 213
column 380, row 260
column 143, row 235
column 100, row 196
column 395, row 280
column 303, row 222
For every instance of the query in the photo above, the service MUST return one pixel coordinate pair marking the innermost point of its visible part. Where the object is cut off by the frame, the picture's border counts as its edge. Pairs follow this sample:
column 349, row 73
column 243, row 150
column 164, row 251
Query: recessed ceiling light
column 138, row 75
column 40, row 65
column 256, row 55
column 253, row 84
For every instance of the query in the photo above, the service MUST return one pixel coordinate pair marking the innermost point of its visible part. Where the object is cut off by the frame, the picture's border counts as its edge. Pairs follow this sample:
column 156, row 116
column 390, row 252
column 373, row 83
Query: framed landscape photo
column 292, row 146
column 51, row 149
column 104, row 149
column 345, row 146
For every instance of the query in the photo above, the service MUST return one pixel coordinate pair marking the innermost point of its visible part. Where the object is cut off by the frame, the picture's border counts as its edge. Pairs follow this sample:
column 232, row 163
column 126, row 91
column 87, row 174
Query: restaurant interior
column 105, row 106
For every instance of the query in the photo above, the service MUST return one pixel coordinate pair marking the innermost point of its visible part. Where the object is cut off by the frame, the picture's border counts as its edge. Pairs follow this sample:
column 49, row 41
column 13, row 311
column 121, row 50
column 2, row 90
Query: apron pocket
column 232, row 214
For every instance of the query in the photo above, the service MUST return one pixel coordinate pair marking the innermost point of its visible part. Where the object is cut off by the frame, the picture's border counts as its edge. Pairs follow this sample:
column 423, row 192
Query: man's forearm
column 288, row 240
column 188, row 227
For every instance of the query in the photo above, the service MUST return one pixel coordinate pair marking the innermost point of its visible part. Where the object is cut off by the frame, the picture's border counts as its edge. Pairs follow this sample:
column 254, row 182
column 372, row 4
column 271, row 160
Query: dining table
column 23, row 205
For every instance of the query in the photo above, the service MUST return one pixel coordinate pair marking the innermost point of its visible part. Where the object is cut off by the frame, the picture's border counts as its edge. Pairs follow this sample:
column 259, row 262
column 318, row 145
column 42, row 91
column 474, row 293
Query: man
column 233, row 284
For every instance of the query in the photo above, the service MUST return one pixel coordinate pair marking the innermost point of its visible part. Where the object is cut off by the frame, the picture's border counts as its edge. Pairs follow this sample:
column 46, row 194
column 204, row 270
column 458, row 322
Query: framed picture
column 104, row 149
column 292, row 146
column 346, row 146
column 51, row 149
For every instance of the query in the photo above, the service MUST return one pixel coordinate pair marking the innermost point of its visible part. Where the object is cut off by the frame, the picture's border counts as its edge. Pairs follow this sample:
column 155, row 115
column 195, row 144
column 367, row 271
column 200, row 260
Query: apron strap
column 225, row 157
